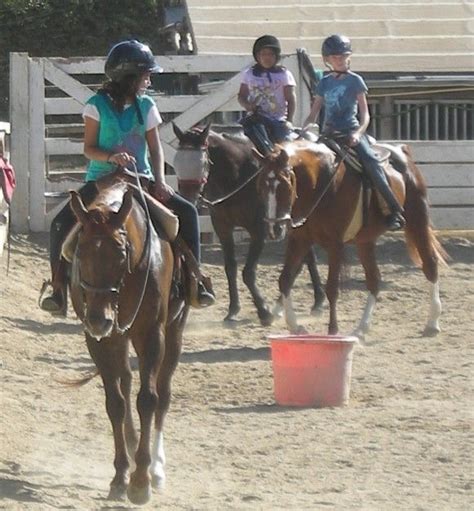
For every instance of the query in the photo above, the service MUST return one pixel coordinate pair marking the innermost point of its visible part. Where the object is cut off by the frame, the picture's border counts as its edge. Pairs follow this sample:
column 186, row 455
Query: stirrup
column 205, row 297
column 395, row 222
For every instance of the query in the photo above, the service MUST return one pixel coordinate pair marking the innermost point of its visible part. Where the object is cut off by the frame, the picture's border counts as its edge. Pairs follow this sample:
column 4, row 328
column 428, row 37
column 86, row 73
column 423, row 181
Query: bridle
column 287, row 175
column 300, row 222
column 125, row 252
column 204, row 151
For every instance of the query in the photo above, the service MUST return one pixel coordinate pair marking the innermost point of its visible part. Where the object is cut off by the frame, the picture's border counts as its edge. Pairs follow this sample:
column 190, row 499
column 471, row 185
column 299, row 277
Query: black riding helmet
column 336, row 45
column 130, row 58
column 266, row 41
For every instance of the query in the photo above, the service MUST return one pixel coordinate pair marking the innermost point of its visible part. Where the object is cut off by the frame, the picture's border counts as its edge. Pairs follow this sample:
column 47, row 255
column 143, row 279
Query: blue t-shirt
column 119, row 132
column 340, row 101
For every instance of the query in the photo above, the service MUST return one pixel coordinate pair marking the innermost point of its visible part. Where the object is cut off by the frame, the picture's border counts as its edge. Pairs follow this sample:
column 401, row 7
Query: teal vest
column 120, row 132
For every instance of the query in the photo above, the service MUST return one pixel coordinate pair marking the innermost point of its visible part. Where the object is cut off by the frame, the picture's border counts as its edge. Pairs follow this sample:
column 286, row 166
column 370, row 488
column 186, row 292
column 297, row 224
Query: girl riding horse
column 121, row 123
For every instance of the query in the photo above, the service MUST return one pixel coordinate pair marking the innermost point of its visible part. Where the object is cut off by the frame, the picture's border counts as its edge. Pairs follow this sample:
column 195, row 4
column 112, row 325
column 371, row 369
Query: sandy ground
column 403, row 442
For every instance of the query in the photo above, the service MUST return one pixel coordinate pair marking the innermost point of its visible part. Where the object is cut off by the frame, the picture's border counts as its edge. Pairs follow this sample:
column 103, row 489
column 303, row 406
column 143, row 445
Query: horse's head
column 103, row 259
column 276, row 185
column 191, row 161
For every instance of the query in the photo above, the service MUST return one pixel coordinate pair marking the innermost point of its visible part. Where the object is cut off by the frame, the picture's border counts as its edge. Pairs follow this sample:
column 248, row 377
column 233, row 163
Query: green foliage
column 67, row 28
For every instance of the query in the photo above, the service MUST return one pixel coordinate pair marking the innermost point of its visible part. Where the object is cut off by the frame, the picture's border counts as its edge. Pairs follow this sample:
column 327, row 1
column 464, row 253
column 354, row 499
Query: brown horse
column 224, row 169
column 121, row 279
column 305, row 186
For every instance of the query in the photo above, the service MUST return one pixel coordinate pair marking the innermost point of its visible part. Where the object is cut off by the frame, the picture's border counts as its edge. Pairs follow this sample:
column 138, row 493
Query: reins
column 231, row 194
column 303, row 220
column 147, row 248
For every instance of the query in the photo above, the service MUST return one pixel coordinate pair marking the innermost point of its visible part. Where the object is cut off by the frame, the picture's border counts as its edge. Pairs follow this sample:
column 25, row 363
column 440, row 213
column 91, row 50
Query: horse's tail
column 417, row 213
column 79, row 382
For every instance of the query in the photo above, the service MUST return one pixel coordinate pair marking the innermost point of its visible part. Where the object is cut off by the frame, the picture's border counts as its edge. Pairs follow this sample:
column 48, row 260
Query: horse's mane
column 239, row 139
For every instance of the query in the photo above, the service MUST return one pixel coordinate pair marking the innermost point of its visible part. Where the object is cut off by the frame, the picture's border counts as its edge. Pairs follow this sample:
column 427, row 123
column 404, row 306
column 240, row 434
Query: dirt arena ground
column 404, row 442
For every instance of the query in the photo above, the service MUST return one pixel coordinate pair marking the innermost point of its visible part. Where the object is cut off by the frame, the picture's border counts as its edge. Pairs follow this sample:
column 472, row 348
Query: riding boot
column 395, row 220
column 56, row 302
column 259, row 136
column 201, row 293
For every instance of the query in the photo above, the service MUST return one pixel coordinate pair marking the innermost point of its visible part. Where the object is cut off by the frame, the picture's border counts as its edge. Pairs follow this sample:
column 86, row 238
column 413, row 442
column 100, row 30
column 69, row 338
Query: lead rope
column 147, row 247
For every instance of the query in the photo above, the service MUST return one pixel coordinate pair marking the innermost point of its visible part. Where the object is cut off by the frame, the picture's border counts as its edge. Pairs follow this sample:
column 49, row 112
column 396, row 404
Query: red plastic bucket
column 312, row 370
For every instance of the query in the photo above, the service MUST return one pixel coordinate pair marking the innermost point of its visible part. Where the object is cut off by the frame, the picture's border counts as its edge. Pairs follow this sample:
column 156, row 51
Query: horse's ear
column 258, row 154
column 78, row 207
column 177, row 131
column 283, row 157
column 205, row 133
column 119, row 218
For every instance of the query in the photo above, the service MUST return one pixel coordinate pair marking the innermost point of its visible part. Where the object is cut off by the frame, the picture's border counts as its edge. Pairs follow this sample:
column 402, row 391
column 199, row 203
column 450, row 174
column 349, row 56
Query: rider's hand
column 162, row 191
column 354, row 138
column 121, row 159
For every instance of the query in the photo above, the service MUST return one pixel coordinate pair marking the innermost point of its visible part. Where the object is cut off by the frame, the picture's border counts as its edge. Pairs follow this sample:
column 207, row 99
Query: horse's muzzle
column 276, row 227
column 98, row 325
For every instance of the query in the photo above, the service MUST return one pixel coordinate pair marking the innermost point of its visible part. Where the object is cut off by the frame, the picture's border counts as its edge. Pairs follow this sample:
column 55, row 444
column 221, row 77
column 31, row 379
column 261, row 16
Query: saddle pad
column 355, row 224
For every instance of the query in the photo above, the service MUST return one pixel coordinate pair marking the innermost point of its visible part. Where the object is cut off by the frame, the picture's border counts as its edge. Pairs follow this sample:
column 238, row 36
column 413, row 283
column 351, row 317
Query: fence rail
column 46, row 145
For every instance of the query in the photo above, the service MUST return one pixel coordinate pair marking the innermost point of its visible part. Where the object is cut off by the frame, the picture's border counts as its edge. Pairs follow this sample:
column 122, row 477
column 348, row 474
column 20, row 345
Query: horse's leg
column 295, row 253
column 421, row 239
column 131, row 436
column 106, row 356
column 230, row 267
column 174, row 334
column 319, row 295
column 368, row 260
column 249, row 276
column 335, row 254
column 150, row 352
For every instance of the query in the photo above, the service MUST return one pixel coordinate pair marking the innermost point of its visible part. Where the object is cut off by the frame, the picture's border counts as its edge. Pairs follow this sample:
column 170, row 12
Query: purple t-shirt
column 340, row 101
column 267, row 91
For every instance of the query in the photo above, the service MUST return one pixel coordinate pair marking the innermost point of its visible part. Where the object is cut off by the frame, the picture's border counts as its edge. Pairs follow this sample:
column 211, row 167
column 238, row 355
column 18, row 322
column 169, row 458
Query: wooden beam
column 202, row 108
column 37, row 149
column 66, row 83
column 20, row 127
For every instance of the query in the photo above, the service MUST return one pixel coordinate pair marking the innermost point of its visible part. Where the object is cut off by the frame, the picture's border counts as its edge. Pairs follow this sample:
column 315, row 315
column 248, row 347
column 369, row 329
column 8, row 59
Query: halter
column 204, row 151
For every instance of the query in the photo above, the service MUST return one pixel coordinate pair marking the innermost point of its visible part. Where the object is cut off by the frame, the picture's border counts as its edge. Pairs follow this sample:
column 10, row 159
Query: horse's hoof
column 298, row 330
column 139, row 495
column 360, row 336
column 431, row 331
column 266, row 317
column 231, row 318
column 317, row 310
column 158, row 482
column 117, row 492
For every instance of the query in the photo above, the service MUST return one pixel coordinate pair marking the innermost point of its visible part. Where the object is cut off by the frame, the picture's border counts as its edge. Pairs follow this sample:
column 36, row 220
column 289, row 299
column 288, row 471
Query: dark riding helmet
column 266, row 41
column 130, row 58
column 336, row 45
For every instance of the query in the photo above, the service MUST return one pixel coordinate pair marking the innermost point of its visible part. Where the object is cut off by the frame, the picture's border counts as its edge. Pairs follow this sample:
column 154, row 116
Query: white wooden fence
column 448, row 166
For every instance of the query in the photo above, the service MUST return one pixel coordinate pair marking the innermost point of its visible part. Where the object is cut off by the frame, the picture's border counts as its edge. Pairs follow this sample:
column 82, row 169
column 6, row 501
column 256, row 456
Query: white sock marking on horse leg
column 290, row 315
column 158, row 460
column 435, row 308
column 366, row 319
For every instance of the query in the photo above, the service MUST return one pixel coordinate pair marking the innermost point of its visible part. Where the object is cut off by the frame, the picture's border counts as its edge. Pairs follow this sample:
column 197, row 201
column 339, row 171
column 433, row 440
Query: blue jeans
column 188, row 222
column 376, row 173
column 263, row 131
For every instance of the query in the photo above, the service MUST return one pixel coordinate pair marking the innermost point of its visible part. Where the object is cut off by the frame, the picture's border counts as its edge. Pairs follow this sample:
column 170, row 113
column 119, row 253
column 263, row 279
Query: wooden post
column 37, row 155
column 20, row 130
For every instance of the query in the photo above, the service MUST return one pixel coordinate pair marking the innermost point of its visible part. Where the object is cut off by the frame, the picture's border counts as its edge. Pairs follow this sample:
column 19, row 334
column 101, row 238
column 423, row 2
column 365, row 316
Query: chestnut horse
column 224, row 169
column 121, row 281
column 305, row 186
